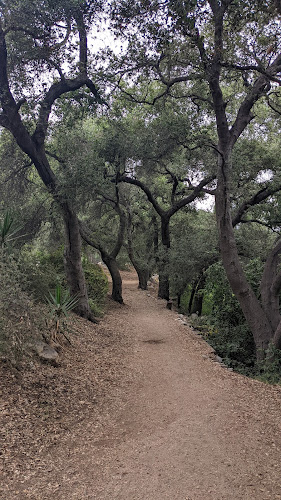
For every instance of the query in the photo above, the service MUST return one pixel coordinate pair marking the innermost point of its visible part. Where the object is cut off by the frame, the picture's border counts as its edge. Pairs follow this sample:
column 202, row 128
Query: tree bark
column 142, row 271
column 112, row 266
column 109, row 258
column 251, row 307
column 196, row 304
column 72, row 261
column 34, row 147
column 164, row 285
column 270, row 287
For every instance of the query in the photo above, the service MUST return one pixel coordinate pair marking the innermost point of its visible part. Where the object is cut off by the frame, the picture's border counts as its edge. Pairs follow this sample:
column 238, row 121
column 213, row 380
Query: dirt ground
column 138, row 410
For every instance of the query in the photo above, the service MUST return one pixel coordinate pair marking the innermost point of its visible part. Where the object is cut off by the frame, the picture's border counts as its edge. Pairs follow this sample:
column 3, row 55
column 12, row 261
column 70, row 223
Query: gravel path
column 178, row 426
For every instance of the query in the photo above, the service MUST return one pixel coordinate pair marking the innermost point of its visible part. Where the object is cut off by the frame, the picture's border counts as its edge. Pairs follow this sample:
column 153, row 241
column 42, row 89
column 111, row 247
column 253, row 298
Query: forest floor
column 138, row 409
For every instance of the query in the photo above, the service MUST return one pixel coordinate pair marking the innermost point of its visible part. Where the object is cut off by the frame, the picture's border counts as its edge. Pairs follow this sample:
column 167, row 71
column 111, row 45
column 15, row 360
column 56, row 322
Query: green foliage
column 43, row 270
column 8, row 230
column 228, row 332
column 270, row 369
column 60, row 304
column 97, row 285
column 191, row 251
column 96, row 309
column 123, row 261
column 16, row 311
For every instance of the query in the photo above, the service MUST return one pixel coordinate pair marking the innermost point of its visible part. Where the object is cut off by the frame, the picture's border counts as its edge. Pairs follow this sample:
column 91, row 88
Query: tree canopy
column 117, row 147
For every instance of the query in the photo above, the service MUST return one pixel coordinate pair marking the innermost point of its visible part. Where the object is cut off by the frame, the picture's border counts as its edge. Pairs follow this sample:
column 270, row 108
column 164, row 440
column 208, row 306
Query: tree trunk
column 163, row 289
column 164, row 285
column 143, row 273
column 112, row 266
column 192, row 297
column 197, row 305
column 72, row 260
column 143, row 276
column 270, row 286
column 254, row 314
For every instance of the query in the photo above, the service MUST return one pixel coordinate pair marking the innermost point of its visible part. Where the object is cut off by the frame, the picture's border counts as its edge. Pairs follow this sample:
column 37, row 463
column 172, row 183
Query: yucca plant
column 60, row 303
column 8, row 230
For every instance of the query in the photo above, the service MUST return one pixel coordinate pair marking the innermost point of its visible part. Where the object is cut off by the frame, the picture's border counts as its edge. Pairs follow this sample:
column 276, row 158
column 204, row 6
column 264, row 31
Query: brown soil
column 139, row 410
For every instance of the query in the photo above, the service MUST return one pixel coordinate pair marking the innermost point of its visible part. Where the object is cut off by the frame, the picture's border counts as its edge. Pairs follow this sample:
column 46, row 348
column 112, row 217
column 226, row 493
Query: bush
column 229, row 334
column 123, row 261
column 97, row 284
column 16, row 311
column 43, row 271
column 270, row 369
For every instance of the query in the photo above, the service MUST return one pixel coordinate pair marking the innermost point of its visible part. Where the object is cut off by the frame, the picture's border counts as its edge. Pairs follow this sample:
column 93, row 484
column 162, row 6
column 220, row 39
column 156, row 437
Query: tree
column 152, row 153
column 194, row 250
column 109, row 256
column 43, row 37
column 199, row 59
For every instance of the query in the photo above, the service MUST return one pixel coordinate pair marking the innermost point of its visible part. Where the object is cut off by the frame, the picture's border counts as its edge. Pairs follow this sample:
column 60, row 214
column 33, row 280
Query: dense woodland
column 143, row 134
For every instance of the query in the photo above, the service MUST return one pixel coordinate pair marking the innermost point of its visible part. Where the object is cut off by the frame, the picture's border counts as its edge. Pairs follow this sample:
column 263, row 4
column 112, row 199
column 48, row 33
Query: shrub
column 43, row 271
column 97, row 284
column 270, row 369
column 60, row 304
column 229, row 334
column 16, row 311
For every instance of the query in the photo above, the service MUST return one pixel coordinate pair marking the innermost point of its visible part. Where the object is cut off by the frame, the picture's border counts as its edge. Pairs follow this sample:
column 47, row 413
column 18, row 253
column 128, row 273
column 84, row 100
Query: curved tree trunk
column 142, row 272
column 72, row 261
column 109, row 259
column 112, row 266
column 143, row 276
column 256, row 318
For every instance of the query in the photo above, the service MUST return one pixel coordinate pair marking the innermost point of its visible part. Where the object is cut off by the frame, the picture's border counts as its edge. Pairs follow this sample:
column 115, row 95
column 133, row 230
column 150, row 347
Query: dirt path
column 181, row 426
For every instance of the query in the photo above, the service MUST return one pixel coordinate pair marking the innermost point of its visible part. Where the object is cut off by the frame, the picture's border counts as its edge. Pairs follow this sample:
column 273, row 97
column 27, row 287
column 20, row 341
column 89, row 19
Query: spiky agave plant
column 8, row 230
column 60, row 303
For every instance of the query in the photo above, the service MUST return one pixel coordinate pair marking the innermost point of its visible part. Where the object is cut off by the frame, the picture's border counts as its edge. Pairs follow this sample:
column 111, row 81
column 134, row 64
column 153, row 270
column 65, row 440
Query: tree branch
column 261, row 223
column 145, row 189
column 257, row 198
column 188, row 199
column 260, row 87
column 85, row 236
column 252, row 67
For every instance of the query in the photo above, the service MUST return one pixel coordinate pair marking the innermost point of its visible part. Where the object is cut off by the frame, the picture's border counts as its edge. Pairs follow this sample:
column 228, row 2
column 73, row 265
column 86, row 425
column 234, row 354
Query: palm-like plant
column 8, row 230
column 60, row 303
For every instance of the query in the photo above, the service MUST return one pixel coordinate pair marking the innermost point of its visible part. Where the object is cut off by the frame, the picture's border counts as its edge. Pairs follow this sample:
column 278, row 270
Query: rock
column 194, row 316
column 45, row 352
column 219, row 359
